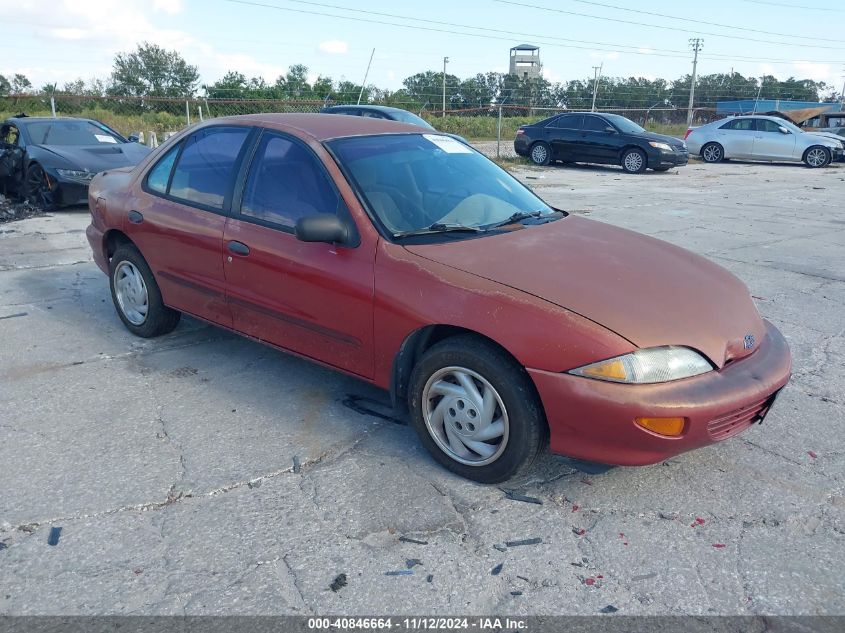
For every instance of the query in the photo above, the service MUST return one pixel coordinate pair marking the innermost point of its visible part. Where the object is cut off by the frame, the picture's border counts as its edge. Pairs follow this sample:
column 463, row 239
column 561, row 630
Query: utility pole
column 596, row 75
column 696, row 44
column 445, row 61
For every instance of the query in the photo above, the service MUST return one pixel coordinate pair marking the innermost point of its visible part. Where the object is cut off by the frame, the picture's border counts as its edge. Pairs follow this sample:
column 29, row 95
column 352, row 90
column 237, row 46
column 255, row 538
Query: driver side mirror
column 133, row 138
column 323, row 227
column 783, row 130
column 610, row 129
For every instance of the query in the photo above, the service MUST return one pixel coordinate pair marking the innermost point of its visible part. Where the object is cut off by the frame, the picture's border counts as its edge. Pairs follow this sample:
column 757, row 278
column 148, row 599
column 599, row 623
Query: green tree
column 5, row 86
column 153, row 71
column 20, row 84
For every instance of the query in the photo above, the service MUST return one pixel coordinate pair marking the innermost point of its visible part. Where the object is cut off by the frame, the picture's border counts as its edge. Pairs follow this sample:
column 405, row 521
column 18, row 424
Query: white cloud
column 168, row 6
column 334, row 47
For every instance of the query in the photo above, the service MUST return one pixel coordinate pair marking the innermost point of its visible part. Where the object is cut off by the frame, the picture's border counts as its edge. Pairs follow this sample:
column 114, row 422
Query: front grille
column 738, row 420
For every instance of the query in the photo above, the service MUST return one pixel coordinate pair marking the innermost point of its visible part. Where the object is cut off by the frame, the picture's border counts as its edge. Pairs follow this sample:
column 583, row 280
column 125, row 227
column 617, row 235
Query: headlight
column 656, row 364
column 664, row 146
column 75, row 174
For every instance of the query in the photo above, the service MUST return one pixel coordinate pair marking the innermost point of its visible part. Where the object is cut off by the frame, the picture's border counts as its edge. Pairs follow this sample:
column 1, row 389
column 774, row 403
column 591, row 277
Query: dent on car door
column 312, row 298
column 177, row 220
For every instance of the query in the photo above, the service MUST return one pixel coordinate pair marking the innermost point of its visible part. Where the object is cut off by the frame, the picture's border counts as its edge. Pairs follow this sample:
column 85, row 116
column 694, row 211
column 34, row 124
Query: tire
column 817, row 156
column 634, row 161
column 516, row 420
column 712, row 153
column 136, row 295
column 37, row 189
column 540, row 153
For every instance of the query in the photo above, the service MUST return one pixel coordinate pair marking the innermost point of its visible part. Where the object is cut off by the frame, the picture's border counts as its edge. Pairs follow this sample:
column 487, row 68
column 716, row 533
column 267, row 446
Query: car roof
column 322, row 127
column 372, row 108
column 36, row 119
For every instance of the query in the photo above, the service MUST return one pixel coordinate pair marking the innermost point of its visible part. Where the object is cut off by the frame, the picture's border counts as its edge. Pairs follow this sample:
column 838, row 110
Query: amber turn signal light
column 671, row 427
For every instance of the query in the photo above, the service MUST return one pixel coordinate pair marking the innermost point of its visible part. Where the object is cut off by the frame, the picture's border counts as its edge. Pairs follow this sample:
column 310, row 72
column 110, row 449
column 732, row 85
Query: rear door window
column 205, row 171
column 746, row 125
column 568, row 122
column 159, row 176
column 595, row 124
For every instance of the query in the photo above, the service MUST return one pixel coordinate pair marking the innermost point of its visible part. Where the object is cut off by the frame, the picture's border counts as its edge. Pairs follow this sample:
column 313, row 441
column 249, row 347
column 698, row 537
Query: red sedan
column 409, row 260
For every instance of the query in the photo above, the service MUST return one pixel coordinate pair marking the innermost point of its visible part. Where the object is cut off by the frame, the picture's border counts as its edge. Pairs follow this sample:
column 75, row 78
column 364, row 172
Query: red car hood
column 646, row 290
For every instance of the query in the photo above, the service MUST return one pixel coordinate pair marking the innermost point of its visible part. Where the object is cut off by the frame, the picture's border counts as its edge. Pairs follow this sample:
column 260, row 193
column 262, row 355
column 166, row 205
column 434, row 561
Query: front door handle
column 238, row 248
column 136, row 217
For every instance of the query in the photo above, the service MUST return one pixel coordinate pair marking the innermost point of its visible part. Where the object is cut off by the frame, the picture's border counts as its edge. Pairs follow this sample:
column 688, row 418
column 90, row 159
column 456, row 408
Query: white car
column 761, row 138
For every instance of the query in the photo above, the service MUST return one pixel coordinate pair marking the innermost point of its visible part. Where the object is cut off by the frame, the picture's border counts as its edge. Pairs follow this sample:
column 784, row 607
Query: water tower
column 525, row 61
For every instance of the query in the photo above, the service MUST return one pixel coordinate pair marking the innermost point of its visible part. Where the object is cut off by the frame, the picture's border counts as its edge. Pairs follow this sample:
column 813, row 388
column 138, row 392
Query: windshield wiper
column 440, row 227
column 518, row 216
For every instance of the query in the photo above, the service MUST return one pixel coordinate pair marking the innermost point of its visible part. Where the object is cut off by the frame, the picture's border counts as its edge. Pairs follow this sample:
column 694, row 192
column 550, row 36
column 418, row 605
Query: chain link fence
column 155, row 118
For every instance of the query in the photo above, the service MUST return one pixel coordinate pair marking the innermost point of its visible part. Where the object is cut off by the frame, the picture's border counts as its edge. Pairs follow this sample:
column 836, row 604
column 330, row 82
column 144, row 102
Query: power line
column 694, row 21
column 794, row 6
column 657, row 26
column 543, row 39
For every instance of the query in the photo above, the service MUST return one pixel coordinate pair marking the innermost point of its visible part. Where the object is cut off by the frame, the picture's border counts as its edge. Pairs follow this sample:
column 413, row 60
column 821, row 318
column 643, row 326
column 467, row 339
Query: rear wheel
column 816, row 156
column 634, row 161
column 475, row 410
column 712, row 153
column 39, row 193
column 541, row 153
column 137, row 297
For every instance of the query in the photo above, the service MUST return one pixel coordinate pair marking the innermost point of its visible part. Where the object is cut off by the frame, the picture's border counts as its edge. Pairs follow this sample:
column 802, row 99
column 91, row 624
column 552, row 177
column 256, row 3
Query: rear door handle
column 238, row 248
column 136, row 217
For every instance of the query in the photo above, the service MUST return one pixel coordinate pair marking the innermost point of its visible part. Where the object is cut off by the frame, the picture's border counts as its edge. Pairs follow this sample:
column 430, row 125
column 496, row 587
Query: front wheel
column 475, row 410
column 634, row 161
column 39, row 192
column 541, row 153
column 816, row 156
column 137, row 297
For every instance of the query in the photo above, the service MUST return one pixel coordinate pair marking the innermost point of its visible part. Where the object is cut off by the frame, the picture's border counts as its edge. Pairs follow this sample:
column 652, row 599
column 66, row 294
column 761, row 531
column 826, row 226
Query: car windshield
column 417, row 181
column 627, row 126
column 70, row 132
column 409, row 117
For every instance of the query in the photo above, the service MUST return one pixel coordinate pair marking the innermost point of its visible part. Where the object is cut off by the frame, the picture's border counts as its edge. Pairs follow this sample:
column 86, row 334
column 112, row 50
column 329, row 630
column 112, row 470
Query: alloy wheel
column 816, row 157
column 539, row 154
column 712, row 153
column 633, row 161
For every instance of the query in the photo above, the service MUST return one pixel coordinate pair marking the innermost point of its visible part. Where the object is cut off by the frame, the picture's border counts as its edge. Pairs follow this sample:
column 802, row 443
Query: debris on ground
column 579, row 531
column 55, row 533
column 526, row 541
column 429, row 578
column 400, row 572
column 719, row 545
column 497, row 569
column 372, row 407
column 644, row 576
column 518, row 496
column 338, row 583
column 501, row 548
column 516, row 593
column 11, row 211
column 698, row 521
column 406, row 539
column 297, row 465
column 812, row 454
column 412, row 562
column 608, row 609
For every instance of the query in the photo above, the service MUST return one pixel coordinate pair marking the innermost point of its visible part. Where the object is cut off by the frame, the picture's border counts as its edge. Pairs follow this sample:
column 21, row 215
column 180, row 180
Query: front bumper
column 668, row 159
column 593, row 420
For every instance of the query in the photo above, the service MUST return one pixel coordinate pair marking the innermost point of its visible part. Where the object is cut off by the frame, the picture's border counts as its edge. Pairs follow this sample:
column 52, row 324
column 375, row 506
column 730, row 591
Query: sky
column 63, row 40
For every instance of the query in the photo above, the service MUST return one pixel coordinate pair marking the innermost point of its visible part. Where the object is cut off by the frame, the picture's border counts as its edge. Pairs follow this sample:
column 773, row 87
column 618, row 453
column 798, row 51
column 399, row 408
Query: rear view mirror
column 324, row 227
